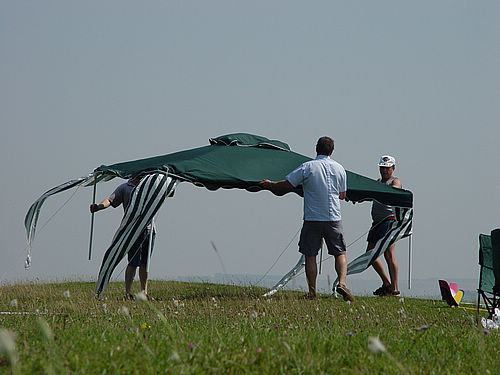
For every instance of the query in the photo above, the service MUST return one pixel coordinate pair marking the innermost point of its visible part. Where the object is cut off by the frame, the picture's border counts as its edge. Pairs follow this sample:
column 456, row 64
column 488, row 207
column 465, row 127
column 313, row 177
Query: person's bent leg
column 311, row 275
column 378, row 266
column 390, row 258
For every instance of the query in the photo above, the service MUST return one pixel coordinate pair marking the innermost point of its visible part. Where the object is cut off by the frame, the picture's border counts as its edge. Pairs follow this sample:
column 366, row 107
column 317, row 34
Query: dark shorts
column 138, row 254
column 379, row 230
column 314, row 231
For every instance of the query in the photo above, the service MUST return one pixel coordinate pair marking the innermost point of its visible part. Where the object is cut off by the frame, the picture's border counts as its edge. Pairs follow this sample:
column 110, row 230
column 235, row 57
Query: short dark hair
column 325, row 146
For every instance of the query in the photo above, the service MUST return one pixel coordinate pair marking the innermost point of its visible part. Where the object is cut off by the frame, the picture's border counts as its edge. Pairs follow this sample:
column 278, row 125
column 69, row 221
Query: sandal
column 345, row 293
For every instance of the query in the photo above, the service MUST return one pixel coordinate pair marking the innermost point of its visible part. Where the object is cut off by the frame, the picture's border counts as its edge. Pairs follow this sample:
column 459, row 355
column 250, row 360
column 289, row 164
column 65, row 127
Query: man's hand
column 266, row 184
column 96, row 207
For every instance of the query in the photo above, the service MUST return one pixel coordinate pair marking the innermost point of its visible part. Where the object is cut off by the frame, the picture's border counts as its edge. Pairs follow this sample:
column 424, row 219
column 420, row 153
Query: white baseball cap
column 387, row 161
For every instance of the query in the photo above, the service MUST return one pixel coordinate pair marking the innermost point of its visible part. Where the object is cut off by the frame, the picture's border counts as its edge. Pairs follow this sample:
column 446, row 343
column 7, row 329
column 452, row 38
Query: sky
column 98, row 82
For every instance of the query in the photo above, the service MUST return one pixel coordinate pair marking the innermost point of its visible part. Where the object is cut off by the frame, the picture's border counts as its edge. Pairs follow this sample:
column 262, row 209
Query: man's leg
column 129, row 279
column 341, row 268
column 143, row 277
column 378, row 266
column 390, row 258
column 311, row 274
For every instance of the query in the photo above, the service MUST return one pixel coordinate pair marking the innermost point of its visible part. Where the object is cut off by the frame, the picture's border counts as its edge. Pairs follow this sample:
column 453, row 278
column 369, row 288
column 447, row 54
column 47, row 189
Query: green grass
column 205, row 328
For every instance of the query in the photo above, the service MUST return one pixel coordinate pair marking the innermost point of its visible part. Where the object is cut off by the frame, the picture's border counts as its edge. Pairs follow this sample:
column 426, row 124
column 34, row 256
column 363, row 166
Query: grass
column 196, row 328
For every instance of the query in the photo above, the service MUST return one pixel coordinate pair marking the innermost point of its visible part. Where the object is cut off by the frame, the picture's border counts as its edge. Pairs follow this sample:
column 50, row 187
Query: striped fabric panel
column 289, row 276
column 145, row 202
column 31, row 218
column 399, row 229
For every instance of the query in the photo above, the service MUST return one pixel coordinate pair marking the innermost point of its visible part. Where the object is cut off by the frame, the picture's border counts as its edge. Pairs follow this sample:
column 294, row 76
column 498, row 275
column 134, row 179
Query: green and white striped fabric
column 145, row 202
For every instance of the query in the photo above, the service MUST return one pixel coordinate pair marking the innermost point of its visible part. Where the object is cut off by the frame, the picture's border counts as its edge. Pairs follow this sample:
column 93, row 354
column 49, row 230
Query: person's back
column 324, row 179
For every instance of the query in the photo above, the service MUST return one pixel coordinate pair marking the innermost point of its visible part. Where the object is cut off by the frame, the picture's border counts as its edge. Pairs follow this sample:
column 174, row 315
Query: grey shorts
column 314, row 231
column 138, row 254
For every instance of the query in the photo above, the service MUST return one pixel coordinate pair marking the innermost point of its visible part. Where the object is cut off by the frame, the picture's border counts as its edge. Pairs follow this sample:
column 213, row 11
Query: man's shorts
column 379, row 230
column 314, row 231
column 138, row 254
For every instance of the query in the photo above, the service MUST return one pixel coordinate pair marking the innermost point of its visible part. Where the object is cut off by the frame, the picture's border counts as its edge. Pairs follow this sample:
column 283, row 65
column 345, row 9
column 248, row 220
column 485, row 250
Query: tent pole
column 150, row 247
column 409, row 261
column 92, row 218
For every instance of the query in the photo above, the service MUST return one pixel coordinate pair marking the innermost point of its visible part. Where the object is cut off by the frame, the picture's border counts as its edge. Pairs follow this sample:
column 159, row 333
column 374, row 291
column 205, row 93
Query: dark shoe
column 345, row 293
column 384, row 290
column 129, row 296
column 395, row 293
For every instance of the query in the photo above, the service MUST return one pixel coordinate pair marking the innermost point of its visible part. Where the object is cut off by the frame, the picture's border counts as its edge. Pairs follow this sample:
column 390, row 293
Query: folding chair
column 489, row 273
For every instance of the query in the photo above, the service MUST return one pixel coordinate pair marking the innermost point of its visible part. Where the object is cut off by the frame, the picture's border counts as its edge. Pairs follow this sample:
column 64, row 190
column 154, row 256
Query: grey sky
column 98, row 82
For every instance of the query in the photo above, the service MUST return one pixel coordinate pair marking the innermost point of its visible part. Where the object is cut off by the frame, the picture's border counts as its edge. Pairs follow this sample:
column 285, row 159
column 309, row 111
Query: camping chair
column 489, row 273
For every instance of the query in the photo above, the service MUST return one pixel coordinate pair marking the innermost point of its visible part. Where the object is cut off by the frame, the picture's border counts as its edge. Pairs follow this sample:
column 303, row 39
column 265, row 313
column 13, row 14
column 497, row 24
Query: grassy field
column 212, row 329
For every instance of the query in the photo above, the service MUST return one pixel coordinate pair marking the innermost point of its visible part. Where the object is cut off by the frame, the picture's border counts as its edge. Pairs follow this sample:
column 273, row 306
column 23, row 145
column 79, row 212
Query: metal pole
column 409, row 261
column 92, row 218
column 150, row 247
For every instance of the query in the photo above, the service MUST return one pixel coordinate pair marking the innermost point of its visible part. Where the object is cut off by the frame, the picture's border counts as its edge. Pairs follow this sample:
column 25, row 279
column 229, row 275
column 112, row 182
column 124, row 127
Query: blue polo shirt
column 322, row 180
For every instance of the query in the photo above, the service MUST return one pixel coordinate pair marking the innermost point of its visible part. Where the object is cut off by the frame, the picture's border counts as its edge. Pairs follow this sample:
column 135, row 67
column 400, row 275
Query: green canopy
column 242, row 160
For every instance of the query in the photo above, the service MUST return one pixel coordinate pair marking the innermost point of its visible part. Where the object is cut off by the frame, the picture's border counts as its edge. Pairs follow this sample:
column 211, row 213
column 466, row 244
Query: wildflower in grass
column 45, row 329
column 105, row 308
column 124, row 311
column 175, row 357
column 144, row 326
column 254, row 314
column 8, row 346
column 349, row 333
column 423, row 327
column 13, row 303
column 191, row 346
column 402, row 313
column 375, row 345
column 66, row 294
column 141, row 296
column 258, row 350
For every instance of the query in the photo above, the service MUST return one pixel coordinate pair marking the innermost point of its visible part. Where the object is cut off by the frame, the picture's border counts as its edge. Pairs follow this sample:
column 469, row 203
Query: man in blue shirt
column 324, row 183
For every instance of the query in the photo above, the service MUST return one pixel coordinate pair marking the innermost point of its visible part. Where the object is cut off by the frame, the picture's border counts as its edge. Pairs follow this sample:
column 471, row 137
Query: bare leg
column 143, row 277
column 390, row 258
column 311, row 274
column 378, row 266
column 129, row 279
column 341, row 268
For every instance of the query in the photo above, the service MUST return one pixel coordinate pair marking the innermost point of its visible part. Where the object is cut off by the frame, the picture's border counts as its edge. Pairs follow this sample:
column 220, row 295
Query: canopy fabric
column 226, row 164
column 237, row 160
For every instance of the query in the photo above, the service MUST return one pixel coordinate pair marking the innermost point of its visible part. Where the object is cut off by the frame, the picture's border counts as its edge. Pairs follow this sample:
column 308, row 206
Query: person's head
column 386, row 165
column 324, row 146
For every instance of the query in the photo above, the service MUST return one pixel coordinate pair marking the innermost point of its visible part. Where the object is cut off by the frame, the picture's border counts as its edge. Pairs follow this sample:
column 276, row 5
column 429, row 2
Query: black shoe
column 384, row 290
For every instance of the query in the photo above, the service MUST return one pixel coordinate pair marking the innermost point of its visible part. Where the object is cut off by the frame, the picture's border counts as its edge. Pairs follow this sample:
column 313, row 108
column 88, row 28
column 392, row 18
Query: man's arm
column 282, row 185
column 101, row 206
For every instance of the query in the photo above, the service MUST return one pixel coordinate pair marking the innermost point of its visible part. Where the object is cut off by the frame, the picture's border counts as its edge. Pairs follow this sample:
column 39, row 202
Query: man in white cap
column 383, row 217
